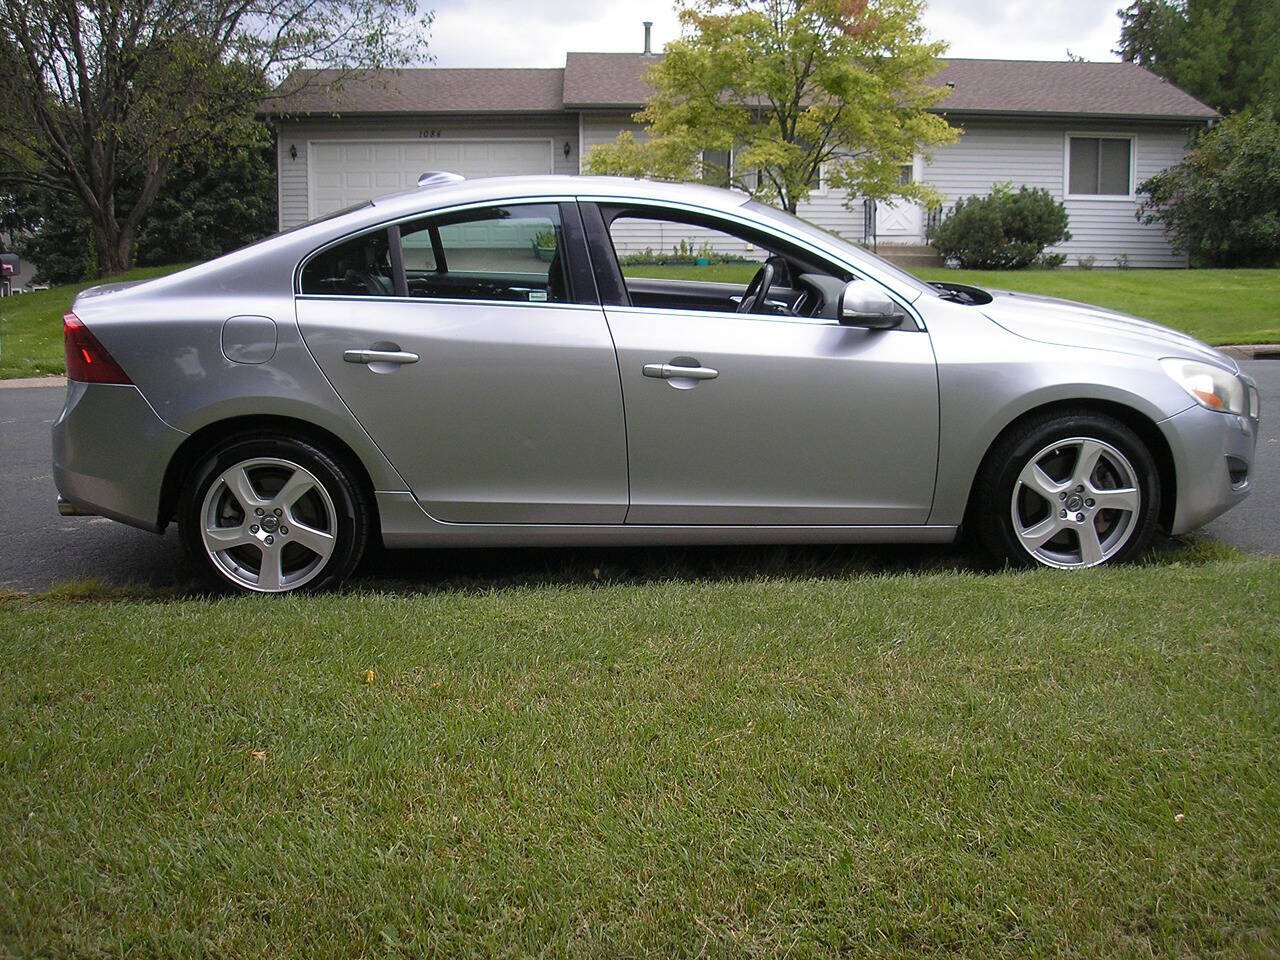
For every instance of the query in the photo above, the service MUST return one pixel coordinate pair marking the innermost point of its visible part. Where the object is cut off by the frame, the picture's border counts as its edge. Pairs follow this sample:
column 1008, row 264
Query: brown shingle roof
column 1071, row 88
column 607, row 79
column 423, row 90
column 618, row 81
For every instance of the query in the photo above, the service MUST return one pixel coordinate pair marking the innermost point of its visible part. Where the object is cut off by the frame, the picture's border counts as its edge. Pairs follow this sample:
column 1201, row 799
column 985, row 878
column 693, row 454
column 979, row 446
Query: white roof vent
column 433, row 178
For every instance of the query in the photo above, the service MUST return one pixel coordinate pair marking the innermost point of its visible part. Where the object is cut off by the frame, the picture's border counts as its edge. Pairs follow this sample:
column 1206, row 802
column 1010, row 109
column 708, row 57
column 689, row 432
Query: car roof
column 510, row 188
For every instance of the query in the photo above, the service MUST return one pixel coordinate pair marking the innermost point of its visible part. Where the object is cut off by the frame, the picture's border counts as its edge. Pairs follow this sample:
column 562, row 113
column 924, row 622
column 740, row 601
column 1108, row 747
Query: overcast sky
column 536, row 33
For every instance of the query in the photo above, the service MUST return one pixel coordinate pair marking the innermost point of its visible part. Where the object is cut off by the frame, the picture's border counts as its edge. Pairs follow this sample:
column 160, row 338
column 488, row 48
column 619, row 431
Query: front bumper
column 1213, row 456
column 110, row 453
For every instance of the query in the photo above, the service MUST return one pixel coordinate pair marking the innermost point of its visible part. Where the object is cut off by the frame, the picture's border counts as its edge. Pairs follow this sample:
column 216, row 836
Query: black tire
column 338, row 500
column 992, row 506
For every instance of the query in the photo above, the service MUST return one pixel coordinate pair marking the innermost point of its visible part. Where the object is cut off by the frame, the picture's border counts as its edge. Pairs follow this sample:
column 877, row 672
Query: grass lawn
column 924, row 763
column 712, row 273
column 31, row 325
column 1218, row 306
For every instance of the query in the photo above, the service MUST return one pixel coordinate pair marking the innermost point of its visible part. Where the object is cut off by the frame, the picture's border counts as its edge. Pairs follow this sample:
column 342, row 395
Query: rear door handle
column 379, row 356
column 671, row 371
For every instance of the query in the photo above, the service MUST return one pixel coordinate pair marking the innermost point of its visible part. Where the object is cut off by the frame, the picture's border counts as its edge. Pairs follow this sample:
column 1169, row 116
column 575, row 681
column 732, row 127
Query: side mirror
column 863, row 304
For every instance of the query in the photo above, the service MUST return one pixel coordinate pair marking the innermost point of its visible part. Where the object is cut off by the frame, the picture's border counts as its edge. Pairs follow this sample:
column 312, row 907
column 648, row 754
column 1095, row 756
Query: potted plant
column 544, row 245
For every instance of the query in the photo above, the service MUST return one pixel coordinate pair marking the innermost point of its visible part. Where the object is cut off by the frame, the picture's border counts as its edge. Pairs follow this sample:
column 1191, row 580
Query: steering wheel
column 758, row 289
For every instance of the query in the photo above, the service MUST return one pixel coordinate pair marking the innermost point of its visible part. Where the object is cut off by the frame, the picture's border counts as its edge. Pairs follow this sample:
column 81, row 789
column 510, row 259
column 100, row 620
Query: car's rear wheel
column 272, row 515
column 1068, row 490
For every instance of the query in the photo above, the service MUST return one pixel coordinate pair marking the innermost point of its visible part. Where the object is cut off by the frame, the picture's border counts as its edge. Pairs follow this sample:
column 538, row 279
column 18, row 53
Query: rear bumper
column 1208, row 448
column 110, row 452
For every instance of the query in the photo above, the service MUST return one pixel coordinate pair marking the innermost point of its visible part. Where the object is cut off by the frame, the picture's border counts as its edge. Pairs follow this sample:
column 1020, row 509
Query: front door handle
column 672, row 371
column 379, row 356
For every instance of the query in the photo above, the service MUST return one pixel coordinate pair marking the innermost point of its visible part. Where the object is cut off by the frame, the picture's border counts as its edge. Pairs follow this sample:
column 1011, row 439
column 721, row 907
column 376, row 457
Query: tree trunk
column 115, row 249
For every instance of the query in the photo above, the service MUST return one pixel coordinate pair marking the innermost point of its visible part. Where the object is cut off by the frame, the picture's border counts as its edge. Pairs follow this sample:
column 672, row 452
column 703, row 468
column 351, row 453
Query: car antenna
column 433, row 178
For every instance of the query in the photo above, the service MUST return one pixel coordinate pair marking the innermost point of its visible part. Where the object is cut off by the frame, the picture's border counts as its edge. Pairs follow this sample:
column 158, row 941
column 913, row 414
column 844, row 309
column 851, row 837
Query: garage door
column 342, row 173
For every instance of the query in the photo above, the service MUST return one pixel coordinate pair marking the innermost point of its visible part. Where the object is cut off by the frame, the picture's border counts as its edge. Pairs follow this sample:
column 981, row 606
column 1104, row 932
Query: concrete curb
column 1253, row 351
column 33, row 382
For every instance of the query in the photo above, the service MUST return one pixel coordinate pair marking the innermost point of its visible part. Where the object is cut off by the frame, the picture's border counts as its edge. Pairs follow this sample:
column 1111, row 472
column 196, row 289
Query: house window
column 717, row 167
column 1099, row 166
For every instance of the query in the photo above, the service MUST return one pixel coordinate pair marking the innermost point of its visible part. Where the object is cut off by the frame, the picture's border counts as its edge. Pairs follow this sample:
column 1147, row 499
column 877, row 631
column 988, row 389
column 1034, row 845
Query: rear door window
column 359, row 267
column 509, row 253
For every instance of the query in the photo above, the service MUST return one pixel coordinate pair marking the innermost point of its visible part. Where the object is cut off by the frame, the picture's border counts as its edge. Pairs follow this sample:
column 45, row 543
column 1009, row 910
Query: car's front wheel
column 271, row 515
column 1067, row 490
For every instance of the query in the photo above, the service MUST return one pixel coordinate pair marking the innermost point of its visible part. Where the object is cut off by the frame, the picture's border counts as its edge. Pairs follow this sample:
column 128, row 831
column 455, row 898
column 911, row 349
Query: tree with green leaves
column 1221, row 204
column 99, row 98
column 213, row 203
column 771, row 95
column 214, row 200
column 1223, row 52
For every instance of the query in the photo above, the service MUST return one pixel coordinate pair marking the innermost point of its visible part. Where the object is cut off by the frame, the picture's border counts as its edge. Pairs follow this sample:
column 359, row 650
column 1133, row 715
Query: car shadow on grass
column 418, row 571
column 443, row 570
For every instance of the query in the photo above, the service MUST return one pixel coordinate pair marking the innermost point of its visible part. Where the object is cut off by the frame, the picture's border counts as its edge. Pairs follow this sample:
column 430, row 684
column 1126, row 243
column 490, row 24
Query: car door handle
column 379, row 356
column 671, row 371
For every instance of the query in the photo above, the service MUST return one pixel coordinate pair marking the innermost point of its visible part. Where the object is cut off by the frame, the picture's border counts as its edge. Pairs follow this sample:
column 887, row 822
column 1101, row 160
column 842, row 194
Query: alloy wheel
column 268, row 524
column 1076, row 503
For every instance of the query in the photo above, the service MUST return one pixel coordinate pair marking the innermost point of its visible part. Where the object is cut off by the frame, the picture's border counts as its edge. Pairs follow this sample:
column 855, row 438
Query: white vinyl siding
column 1034, row 154
column 604, row 127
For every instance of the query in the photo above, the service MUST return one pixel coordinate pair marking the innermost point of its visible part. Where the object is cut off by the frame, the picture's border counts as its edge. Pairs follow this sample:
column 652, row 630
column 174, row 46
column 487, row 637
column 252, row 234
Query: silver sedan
column 513, row 362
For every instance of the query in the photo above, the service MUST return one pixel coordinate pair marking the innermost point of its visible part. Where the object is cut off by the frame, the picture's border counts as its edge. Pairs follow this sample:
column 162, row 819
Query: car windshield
column 804, row 228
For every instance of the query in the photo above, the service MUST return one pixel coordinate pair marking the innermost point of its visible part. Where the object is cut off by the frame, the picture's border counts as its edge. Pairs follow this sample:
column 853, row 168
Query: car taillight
column 87, row 359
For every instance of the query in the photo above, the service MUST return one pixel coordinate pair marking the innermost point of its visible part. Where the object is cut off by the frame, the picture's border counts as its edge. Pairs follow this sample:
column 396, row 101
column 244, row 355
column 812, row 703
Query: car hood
column 1071, row 324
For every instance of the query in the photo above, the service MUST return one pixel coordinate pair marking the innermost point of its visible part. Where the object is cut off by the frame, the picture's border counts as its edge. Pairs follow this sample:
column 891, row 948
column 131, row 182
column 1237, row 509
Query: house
column 16, row 275
column 1087, row 132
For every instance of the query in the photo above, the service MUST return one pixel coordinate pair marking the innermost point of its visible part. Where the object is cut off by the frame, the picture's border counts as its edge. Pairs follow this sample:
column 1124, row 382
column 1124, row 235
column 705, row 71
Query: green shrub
column 1221, row 205
column 1003, row 230
column 685, row 252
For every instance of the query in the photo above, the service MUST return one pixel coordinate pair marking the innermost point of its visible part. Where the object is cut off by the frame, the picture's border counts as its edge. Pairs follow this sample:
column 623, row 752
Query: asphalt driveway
column 40, row 548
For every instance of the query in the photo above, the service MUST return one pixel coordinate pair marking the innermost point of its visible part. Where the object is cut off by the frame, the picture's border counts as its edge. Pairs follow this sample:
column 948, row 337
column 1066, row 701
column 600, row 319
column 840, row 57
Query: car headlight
column 1209, row 386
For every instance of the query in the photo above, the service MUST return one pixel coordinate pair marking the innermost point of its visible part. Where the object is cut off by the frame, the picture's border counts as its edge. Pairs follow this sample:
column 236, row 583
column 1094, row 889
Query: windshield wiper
column 956, row 293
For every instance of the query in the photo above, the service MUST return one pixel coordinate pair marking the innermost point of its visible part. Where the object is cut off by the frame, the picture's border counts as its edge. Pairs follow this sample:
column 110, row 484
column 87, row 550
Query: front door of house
column 901, row 221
